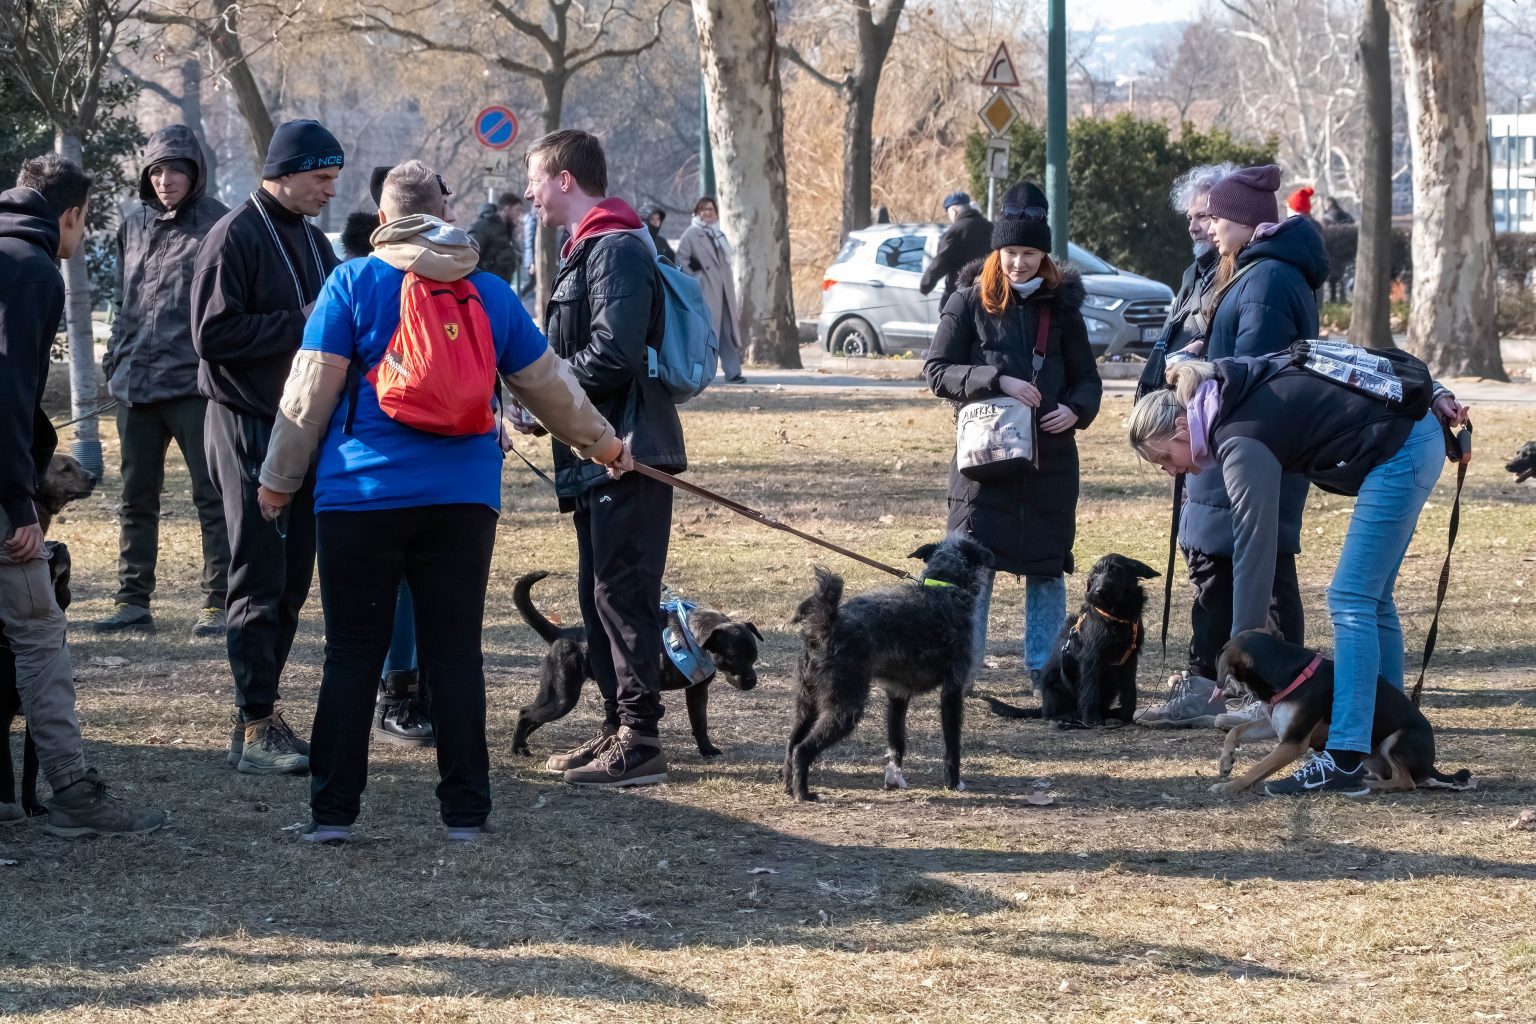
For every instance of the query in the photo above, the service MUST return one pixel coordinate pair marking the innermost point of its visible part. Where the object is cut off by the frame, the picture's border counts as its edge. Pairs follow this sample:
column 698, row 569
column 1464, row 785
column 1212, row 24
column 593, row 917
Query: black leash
column 94, row 412
column 1461, row 448
column 1173, row 548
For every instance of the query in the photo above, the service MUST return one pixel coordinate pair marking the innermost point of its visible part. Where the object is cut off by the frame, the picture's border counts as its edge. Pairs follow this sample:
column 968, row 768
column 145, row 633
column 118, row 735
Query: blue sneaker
column 1320, row 774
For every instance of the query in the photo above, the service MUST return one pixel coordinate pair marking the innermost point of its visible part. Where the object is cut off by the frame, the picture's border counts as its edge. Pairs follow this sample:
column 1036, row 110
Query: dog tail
column 1458, row 780
column 818, row 612
column 522, row 597
column 1007, row 710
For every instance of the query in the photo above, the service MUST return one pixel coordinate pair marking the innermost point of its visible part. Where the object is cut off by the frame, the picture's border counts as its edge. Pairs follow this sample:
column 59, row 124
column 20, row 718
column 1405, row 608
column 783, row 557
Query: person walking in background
column 258, row 273
column 495, row 231
column 419, row 503
column 1190, row 195
column 655, row 217
column 1335, row 215
column 605, row 309
column 42, row 220
column 151, row 369
column 968, row 237
column 985, row 348
column 1262, row 302
column 705, row 253
column 530, row 240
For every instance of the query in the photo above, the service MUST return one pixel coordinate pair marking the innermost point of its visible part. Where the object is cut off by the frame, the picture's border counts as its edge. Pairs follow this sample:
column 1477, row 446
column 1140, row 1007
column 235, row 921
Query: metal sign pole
column 991, row 195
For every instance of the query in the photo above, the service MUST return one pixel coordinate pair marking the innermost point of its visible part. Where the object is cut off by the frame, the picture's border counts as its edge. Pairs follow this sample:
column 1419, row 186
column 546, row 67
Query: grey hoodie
column 150, row 357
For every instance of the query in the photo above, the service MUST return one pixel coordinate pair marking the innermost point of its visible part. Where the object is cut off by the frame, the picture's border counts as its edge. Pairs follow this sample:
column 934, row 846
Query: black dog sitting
column 1091, row 678
column 10, row 697
column 1523, row 465
column 731, row 646
column 912, row 639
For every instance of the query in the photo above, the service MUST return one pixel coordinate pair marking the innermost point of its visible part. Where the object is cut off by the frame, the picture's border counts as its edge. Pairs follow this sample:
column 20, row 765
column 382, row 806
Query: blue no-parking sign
column 496, row 127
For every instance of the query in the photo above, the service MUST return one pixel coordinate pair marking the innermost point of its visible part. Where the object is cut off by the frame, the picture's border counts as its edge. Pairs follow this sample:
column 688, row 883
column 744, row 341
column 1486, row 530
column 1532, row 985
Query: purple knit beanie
column 1247, row 196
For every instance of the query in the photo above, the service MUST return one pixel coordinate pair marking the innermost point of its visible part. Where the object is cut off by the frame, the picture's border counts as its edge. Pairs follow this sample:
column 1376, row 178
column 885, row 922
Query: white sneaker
column 1251, row 711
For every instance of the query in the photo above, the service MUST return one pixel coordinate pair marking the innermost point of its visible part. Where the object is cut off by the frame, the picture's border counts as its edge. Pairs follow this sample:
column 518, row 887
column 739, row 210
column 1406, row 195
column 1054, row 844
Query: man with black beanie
column 258, row 274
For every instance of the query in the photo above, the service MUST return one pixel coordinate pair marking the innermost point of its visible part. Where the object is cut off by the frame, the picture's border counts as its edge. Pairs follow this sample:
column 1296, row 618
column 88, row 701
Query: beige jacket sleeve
column 314, row 389
column 547, row 388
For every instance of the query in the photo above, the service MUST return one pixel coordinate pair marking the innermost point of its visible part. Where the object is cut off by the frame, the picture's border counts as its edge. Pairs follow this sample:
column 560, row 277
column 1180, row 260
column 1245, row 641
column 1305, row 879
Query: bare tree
column 739, row 44
column 1451, row 323
column 566, row 38
column 1370, row 318
column 188, row 104
column 858, row 86
column 61, row 50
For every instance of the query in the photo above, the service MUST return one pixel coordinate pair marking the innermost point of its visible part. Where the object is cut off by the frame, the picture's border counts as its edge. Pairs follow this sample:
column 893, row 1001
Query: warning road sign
column 1000, row 73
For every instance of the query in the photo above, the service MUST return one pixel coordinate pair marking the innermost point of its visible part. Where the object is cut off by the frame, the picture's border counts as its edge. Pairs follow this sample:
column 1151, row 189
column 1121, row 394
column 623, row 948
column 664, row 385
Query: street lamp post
column 1056, row 127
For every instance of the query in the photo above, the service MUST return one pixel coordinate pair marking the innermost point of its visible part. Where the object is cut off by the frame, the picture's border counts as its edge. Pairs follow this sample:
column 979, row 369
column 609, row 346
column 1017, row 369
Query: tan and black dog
column 1297, row 684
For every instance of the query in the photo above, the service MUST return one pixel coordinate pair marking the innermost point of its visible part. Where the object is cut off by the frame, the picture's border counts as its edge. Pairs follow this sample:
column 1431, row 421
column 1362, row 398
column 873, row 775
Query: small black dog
column 1523, row 465
column 1298, row 685
column 731, row 645
column 913, row 639
column 10, row 697
column 1091, row 678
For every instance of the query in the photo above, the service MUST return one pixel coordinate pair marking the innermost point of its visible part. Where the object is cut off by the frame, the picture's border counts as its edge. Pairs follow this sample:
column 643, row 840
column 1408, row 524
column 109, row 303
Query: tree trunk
column 858, row 153
column 192, row 116
column 224, row 37
column 82, row 345
column 1370, row 322
column 1451, row 325
column 547, row 247
column 739, row 51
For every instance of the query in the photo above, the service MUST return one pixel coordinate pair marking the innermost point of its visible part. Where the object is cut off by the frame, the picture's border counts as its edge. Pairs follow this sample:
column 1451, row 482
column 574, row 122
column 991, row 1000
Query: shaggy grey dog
column 913, row 639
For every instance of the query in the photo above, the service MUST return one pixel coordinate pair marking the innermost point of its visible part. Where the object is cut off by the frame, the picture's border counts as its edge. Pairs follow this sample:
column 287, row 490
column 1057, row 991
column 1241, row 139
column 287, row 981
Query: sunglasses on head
column 443, row 185
column 1024, row 212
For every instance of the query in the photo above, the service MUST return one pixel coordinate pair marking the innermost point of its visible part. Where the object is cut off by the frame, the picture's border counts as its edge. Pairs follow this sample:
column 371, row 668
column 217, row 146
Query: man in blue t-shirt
column 394, row 501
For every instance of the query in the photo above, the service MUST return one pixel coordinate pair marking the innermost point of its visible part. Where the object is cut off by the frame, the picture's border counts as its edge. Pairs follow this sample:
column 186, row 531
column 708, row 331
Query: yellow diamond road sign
column 999, row 113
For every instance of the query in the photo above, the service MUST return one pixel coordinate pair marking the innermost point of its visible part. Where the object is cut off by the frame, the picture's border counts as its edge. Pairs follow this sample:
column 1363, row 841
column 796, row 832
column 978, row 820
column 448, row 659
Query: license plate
column 1151, row 333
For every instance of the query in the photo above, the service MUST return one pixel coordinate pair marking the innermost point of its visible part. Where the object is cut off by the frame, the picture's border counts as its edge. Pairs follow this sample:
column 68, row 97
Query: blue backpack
column 689, row 353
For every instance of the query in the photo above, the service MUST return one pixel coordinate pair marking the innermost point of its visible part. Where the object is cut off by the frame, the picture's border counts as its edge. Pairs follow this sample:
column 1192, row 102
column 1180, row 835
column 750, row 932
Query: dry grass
column 1136, row 897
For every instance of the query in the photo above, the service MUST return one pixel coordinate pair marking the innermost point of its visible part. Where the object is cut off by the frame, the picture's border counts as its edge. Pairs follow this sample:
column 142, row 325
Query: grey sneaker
column 126, row 617
column 629, row 760
column 470, row 833
column 1252, row 710
column 318, row 833
column 210, row 624
column 1193, row 703
column 237, row 741
column 85, row 809
column 581, row 756
column 271, row 748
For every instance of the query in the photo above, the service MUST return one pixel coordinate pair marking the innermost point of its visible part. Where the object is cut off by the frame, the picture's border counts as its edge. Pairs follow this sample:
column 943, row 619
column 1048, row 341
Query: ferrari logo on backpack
column 452, row 330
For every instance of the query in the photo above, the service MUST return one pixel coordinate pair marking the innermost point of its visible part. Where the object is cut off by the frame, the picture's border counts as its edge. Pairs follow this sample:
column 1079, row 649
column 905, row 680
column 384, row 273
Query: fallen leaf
column 1066, row 986
column 109, row 662
column 8, row 863
column 887, row 520
column 1039, row 799
column 1526, row 822
column 763, row 871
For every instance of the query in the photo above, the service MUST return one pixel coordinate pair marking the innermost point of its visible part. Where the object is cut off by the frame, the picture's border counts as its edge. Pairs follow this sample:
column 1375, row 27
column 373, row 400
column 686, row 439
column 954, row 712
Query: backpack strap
column 1042, row 335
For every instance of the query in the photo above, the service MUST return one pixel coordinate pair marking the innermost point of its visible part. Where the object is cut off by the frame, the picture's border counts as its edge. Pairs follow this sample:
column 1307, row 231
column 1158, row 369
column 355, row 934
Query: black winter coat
column 1030, row 521
column 150, row 357
column 968, row 238
column 605, row 309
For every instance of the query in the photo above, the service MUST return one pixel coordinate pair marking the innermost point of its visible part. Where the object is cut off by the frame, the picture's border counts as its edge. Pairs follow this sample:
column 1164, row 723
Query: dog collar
column 1306, row 673
column 1112, row 618
column 936, row 583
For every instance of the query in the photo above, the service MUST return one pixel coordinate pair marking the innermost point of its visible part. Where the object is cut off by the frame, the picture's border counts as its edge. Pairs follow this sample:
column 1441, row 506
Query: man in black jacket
column 604, row 312
column 968, row 237
column 42, row 220
column 151, row 369
column 258, row 274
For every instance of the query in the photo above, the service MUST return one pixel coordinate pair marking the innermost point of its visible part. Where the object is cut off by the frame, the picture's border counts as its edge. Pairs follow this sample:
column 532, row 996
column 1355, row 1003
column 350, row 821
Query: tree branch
column 792, row 54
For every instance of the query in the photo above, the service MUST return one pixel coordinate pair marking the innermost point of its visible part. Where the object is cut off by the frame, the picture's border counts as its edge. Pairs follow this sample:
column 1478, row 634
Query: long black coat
column 1029, row 521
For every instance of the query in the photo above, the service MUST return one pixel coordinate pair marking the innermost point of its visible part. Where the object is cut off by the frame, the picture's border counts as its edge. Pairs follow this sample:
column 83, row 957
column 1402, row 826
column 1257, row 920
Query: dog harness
column 681, row 645
column 1135, row 625
column 1306, row 673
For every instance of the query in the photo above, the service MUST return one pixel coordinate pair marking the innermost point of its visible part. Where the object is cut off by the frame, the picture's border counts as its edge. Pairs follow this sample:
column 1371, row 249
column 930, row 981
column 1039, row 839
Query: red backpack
column 439, row 371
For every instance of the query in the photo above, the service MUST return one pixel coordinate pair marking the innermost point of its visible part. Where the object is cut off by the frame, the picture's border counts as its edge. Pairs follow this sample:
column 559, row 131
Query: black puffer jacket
column 604, row 311
column 1030, row 521
column 150, row 357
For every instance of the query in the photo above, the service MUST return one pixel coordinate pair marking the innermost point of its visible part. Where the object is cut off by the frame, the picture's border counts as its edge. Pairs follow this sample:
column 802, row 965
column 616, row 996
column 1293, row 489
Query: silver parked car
column 870, row 303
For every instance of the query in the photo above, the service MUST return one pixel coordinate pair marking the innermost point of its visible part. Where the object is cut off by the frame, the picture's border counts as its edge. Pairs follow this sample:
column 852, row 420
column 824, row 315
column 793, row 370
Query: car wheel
column 854, row 339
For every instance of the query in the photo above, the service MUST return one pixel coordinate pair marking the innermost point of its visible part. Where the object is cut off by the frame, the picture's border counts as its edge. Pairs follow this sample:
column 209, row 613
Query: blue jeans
column 1045, row 609
column 1367, row 637
column 402, row 641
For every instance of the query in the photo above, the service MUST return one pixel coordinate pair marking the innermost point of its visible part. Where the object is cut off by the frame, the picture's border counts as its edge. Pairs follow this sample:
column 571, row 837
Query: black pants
column 622, row 530
column 444, row 553
column 1210, row 617
column 270, row 564
column 145, row 432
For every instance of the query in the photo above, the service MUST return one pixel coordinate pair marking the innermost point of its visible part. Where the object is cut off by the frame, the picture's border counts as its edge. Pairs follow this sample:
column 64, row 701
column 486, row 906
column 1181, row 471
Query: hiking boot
column 126, row 617
column 1193, row 703
column 271, row 748
column 580, row 757
column 401, row 715
column 1320, row 774
column 237, row 741
column 1252, row 710
column 85, row 809
column 210, row 624
column 630, row 759
column 318, row 833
